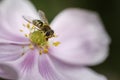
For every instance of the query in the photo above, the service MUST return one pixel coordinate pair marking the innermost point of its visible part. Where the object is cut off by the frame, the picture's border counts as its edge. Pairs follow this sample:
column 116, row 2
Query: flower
column 83, row 42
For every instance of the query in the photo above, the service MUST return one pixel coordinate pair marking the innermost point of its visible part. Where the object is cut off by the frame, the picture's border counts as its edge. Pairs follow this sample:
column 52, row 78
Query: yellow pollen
column 28, row 26
column 38, row 39
column 55, row 35
column 45, row 50
column 26, row 35
column 31, row 46
column 21, row 30
column 56, row 43
column 33, row 27
column 40, row 52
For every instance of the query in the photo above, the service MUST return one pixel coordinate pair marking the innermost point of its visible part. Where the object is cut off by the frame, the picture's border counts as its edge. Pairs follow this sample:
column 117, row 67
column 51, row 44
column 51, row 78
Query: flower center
column 38, row 39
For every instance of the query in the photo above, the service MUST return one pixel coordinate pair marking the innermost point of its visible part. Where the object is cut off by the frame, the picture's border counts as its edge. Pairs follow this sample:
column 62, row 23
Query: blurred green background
column 109, row 11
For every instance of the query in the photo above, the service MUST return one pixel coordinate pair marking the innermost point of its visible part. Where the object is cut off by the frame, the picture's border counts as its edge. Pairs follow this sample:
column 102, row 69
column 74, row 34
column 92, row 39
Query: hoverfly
column 41, row 24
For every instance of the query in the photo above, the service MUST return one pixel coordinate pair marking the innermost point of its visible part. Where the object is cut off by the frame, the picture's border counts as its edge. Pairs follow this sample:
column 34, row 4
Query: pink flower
column 84, row 42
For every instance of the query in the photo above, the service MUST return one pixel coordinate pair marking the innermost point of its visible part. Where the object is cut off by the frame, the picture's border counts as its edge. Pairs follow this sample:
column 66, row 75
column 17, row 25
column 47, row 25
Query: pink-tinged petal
column 81, row 74
column 19, row 42
column 28, row 62
column 26, row 66
column 8, row 36
column 11, row 19
column 48, row 70
column 73, row 72
column 8, row 72
column 83, row 38
column 10, row 52
column 29, row 66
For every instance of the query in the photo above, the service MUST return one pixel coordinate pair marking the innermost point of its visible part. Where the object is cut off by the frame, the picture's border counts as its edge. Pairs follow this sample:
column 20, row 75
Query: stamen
column 31, row 46
column 45, row 50
column 28, row 26
column 21, row 30
column 33, row 27
column 40, row 52
column 26, row 35
column 56, row 43
column 38, row 39
column 55, row 35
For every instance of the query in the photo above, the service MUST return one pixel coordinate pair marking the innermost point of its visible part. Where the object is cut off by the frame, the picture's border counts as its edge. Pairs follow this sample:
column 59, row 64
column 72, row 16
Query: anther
column 21, row 30
column 45, row 50
column 26, row 35
column 56, row 43
column 31, row 46
column 28, row 26
column 40, row 52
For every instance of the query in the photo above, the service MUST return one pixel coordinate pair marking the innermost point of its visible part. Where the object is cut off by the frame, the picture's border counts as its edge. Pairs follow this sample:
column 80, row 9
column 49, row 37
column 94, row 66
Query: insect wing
column 28, row 19
column 43, row 17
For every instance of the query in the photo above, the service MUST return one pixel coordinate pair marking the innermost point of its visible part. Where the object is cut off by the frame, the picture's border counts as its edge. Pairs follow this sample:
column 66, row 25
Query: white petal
column 7, row 34
column 8, row 72
column 83, row 38
column 73, row 72
column 12, row 12
column 48, row 70
column 26, row 67
column 10, row 52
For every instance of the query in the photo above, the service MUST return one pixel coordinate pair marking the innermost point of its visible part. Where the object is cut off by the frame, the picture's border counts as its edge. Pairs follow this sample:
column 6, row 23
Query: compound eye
column 52, row 32
column 48, row 33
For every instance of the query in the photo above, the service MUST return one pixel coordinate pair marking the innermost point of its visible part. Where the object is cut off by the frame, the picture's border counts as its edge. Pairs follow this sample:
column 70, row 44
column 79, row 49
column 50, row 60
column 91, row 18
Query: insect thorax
column 44, row 27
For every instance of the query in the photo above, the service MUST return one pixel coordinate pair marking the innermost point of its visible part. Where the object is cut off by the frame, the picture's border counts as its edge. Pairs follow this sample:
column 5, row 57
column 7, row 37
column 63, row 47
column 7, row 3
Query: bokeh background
column 109, row 11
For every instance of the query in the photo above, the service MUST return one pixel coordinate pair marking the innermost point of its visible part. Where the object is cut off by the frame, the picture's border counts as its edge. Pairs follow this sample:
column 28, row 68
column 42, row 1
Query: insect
column 41, row 24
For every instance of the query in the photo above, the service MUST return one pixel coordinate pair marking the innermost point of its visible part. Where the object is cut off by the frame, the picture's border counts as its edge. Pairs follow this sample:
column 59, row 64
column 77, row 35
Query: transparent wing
column 42, row 17
column 28, row 19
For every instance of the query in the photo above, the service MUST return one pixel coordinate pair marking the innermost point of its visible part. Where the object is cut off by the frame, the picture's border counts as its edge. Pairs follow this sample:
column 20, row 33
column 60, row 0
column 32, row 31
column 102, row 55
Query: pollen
column 56, row 43
column 55, row 35
column 21, row 30
column 26, row 35
column 33, row 27
column 40, row 52
column 31, row 46
column 38, row 39
column 28, row 26
column 45, row 50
